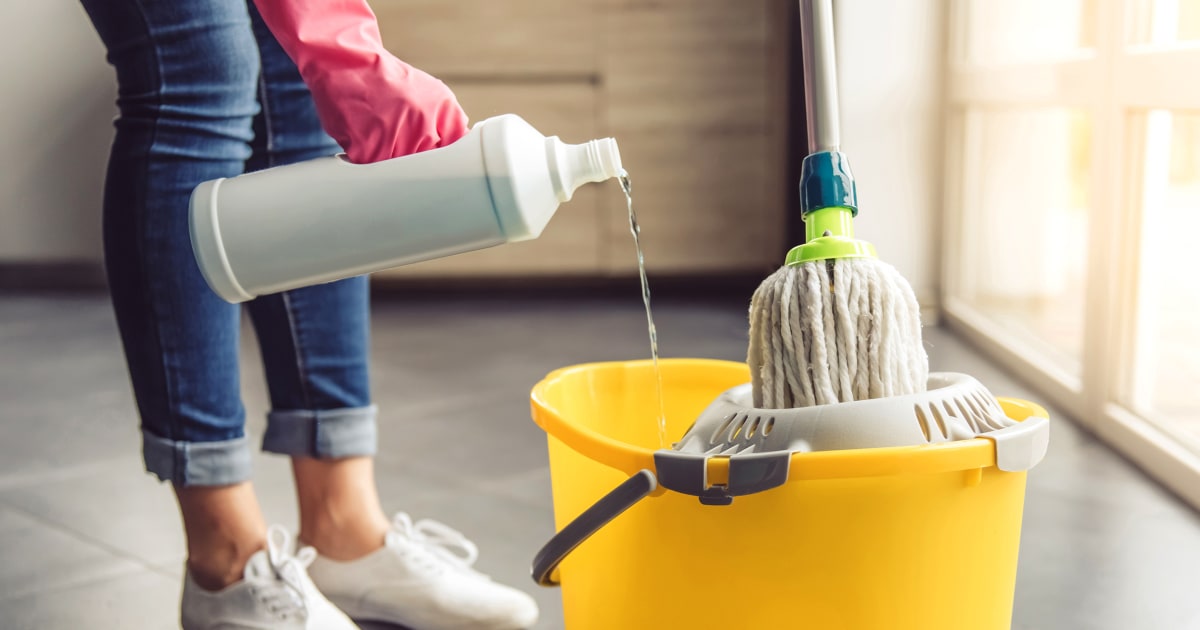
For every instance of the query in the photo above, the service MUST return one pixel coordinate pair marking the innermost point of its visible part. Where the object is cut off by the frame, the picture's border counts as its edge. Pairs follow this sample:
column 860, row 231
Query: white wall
column 55, row 127
column 890, row 57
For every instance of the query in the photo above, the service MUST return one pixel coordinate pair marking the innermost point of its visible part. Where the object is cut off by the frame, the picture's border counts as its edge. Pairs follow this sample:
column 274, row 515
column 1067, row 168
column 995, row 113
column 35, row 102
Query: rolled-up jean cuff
column 322, row 433
column 197, row 463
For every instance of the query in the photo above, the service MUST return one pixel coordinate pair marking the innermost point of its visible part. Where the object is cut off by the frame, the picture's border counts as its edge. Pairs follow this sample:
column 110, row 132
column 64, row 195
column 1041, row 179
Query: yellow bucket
column 921, row 537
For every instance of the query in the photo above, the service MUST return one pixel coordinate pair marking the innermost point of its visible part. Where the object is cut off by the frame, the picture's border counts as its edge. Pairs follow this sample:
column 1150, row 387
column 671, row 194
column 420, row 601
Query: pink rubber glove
column 375, row 106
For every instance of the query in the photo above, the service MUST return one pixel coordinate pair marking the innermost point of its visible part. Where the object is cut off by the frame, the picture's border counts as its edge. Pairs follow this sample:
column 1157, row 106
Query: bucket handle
column 612, row 505
column 686, row 473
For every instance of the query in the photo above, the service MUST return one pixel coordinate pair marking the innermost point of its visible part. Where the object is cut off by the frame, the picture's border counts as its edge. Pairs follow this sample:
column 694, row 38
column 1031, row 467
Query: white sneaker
column 275, row 592
column 422, row 578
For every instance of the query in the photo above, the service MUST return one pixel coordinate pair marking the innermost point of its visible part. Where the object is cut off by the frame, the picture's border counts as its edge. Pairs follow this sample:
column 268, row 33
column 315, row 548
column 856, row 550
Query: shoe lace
column 290, row 569
column 442, row 540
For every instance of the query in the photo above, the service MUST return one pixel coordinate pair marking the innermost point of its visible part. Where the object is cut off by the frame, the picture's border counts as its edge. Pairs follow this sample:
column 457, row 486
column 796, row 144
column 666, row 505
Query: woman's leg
column 315, row 348
column 187, row 74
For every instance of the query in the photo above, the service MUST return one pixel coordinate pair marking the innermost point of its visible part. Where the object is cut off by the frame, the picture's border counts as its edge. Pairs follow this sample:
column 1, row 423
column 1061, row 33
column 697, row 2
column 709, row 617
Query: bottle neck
column 573, row 165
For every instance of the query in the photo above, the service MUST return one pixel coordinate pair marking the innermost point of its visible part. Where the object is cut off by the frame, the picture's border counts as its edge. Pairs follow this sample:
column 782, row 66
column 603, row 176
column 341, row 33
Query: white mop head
column 835, row 331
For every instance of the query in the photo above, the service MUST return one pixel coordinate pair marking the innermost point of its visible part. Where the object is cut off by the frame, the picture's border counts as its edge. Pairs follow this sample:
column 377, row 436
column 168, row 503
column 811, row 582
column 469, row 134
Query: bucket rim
column 962, row 455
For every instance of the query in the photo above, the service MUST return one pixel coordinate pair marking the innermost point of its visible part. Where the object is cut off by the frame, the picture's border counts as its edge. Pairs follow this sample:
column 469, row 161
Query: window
column 1162, row 386
column 1025, row 232
column 1073, row 211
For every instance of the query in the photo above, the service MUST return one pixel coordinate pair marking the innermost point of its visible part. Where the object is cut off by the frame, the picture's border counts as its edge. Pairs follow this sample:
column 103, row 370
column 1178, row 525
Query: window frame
column 1113, row 81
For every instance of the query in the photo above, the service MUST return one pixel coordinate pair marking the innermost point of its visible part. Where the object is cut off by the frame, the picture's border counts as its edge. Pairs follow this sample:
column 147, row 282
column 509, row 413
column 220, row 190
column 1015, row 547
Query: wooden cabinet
column 693, row 91
column 465, row 41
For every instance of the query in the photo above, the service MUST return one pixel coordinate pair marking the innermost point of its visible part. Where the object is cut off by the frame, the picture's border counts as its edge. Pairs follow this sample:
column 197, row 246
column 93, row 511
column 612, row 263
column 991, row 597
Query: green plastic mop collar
column 829, row 204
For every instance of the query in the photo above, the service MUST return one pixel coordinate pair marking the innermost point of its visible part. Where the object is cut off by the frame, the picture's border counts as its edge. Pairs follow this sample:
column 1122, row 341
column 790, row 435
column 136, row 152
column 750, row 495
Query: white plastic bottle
column 328, row 219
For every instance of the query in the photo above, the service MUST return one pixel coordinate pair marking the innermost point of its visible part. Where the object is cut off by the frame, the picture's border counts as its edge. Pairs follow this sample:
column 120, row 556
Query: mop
column 836, row 361
column 835, row 323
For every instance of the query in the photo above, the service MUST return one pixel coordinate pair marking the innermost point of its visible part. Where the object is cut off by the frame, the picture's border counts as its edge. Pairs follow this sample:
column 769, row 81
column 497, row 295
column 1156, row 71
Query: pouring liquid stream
column 636, row 230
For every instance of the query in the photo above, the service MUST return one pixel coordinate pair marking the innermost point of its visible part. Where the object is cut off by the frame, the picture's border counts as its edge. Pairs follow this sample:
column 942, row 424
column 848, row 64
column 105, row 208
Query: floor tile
column 138, row 601
column 1088, row 564
column 478, row 437
column 39, row 557
column 531, row 487
column 1103, row 547
column 121, row 507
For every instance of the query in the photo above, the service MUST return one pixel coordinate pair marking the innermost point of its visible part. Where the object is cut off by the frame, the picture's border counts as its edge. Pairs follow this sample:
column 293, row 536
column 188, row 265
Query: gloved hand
column 375, row 106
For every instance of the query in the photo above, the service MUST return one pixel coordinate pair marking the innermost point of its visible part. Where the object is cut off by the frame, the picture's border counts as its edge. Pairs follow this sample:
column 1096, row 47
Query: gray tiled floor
column 89, row 541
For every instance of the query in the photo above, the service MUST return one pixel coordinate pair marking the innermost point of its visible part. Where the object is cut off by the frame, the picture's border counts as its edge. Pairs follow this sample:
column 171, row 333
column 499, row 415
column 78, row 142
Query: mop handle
column 820, row 75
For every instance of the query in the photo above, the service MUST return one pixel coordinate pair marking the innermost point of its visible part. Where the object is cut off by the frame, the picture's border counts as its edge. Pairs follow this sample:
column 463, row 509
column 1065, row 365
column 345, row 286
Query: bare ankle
column 224, row 527
column 340, row 514
column 215, row 568
column 350, row 541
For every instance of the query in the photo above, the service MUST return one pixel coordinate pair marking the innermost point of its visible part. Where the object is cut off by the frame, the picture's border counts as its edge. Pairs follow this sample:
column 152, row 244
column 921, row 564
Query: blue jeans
column 205, row 91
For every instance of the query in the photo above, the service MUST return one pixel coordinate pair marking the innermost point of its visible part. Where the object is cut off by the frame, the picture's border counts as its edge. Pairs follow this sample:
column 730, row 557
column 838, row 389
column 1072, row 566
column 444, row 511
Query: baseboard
column 931, row 311
column 87, row 276
column 733, row 286
column 65, row 276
